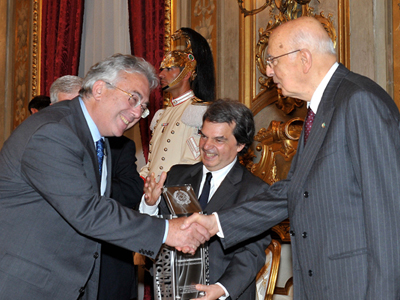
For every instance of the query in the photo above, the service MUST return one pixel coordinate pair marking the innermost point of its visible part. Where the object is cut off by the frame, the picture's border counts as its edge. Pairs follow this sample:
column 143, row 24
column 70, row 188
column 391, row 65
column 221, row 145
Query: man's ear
column 240, row 147
column 306, row 60
column 187, row 76
column 97, row 89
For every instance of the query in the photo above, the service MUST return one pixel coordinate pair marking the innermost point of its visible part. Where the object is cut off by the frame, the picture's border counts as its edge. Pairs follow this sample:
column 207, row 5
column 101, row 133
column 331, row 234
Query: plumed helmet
column 196, row 58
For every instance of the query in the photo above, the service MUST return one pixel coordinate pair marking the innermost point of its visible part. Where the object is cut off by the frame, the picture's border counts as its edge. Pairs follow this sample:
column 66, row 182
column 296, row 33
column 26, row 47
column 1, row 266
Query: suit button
column 304, row 234
column 165, row 149
column 310, row 273
column 172, row 131
column 81, row 290
column 305, row 194
column 168, row 141
column 96, row 255
column 291, row 232
column 161, row 167
column 162, row 158
column 177, row 124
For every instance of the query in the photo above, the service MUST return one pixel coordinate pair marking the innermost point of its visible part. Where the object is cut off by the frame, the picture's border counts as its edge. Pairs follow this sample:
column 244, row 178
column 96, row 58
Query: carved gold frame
column 36, row 46
column 247, row 53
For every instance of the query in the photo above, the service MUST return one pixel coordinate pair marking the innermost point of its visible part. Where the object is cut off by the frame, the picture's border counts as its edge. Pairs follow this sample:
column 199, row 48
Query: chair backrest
column 266, row 277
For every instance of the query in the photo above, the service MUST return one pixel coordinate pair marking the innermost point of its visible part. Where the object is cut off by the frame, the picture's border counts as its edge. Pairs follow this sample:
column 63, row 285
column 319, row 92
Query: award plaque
column 176, row 273
column 181, row 200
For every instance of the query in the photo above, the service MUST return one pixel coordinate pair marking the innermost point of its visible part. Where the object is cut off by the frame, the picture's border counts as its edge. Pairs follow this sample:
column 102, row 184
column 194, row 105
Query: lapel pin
column 323, row 125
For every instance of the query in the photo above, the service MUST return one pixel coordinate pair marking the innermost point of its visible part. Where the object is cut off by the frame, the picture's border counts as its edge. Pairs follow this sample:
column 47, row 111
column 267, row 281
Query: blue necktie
column 100, row 154
column 206, row 191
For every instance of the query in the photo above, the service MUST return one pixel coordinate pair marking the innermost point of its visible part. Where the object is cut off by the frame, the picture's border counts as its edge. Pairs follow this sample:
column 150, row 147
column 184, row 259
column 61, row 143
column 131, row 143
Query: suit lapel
column 227, row 190
column 320, row 127
column 195, row 178
column 83, row 132
column 107, row 192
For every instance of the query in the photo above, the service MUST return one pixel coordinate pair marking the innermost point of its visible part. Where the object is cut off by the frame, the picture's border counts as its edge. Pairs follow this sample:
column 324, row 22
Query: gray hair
column 109, row 69
column 304, row 38
column 65, row 84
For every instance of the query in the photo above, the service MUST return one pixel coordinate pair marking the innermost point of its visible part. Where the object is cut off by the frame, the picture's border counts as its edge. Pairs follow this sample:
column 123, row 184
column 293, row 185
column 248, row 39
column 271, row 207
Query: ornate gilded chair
column 266, row 277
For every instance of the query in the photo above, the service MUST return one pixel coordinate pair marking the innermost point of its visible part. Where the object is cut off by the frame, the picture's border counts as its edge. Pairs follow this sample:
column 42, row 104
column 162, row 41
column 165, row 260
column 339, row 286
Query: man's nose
column 269, row 71
column 207, row 144
column 136, row 111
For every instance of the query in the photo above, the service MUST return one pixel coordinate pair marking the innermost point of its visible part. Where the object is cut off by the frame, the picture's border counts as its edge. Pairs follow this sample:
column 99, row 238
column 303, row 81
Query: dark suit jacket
column 51, row 214
column 344, row 197
column 118, row 278
column 235, row 268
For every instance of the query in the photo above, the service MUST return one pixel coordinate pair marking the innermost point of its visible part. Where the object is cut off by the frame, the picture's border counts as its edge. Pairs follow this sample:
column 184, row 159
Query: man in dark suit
column 343, row 188
column 54, row 208
column 118, row 278
column 228, row 130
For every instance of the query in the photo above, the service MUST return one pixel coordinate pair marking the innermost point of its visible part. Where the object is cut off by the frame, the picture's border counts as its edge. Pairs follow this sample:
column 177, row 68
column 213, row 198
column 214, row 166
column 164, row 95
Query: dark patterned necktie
column 206, row 191
column 100, row 154
column 308, row 125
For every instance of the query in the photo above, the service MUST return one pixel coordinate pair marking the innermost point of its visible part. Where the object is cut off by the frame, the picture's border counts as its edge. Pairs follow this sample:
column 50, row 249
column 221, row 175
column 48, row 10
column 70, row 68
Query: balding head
column 305, row 54
column 305, row 32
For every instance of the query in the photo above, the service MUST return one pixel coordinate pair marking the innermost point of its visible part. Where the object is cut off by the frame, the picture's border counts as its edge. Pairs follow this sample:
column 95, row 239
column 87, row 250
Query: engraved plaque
column 181, row 199
column 176, row 273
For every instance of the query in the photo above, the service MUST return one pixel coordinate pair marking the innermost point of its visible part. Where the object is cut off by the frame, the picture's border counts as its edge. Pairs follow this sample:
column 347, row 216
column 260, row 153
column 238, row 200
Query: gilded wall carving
column 204, row 21
column 22, row 76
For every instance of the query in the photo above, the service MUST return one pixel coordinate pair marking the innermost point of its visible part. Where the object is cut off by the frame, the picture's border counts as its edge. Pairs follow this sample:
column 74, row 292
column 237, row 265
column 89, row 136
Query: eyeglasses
column 272, row 62
column 134, row 100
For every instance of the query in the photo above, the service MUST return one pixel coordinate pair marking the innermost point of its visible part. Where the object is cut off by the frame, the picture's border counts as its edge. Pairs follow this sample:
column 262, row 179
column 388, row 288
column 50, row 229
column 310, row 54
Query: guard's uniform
column 175, row 137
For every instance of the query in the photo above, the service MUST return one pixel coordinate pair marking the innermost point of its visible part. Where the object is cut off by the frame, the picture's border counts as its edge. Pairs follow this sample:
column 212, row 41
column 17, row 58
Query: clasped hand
column 184, row 236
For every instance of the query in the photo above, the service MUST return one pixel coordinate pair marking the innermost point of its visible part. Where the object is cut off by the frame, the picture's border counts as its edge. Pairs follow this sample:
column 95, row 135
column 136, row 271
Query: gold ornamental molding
column 246, row 12
column 343, row 48
column 167, row 25
column 36, row 46
column 252, row 57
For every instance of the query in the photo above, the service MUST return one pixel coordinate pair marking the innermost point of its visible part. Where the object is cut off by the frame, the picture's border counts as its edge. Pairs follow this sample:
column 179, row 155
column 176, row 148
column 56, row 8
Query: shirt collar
column 219, row 175
column 92, row 126
column 186, row 96
column 317, row 96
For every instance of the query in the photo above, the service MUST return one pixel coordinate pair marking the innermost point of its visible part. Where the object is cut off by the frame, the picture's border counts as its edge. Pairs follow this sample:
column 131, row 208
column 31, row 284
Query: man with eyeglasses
column 343, row 188
column 118, row 275
column 54, row 187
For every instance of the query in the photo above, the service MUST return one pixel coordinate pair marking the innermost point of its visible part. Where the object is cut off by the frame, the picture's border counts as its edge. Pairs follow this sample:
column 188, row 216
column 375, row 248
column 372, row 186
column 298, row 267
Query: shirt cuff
column 220, row 233
column 226, row 292
column 166, row 231
column 150, row 210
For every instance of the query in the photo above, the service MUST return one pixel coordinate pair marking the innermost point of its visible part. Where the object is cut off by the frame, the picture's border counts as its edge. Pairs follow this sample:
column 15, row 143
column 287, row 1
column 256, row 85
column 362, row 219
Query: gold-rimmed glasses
column 134, row 100
column 271, row 60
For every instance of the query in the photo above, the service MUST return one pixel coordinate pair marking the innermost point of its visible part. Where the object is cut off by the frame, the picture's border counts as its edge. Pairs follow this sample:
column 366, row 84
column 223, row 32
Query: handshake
column 188, row 233
column 185, row 234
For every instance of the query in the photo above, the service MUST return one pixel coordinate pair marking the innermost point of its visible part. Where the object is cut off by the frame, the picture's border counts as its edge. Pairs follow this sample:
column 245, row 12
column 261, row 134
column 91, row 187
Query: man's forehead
column 220, row 126
column 275, row 44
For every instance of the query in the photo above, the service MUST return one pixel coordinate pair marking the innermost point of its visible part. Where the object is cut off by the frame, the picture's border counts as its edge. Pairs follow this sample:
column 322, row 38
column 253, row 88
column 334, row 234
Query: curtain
column 146, row 29
column 105, row 32
column 61, row 40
